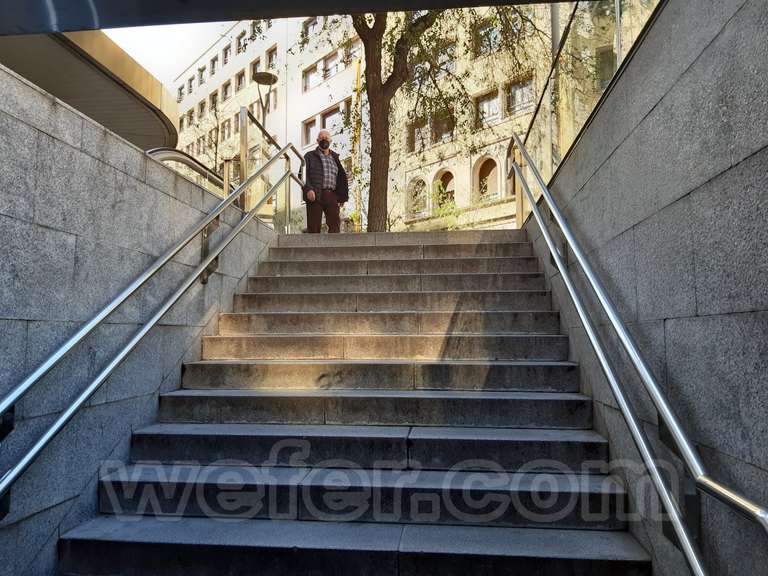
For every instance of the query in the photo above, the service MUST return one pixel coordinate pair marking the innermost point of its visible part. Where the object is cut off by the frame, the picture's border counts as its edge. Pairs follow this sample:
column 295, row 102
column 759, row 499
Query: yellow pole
column 355, row 145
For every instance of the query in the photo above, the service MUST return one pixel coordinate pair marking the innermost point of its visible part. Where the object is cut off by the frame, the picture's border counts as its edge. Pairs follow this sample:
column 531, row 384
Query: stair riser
column 365, row 452
column 406, row 504
column 441, row 266
column 359, row 347
column 403, row 411
column 390, row 323
column 396, row 283
column 99, row 558
column 382, row 376
column 403, row 252
column 394, row 302
column 411, row 238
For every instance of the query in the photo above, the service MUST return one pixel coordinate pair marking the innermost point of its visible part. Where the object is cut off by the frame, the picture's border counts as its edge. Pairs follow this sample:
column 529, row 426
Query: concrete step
column 379, row 447
column 425, row 266
column 396, row 238
column 528, row 321
column 202, row 546
column 387, row 346
column 443, row 301
column 348, row 495
column 396, row 283
column 402, row 252
column 379, row 407
column 398, row 375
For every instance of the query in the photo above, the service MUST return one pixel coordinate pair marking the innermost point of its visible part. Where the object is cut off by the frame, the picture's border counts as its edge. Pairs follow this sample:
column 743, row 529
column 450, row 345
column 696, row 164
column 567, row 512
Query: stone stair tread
column 375, row 431
column 459, row 258
column 315, row 277
column 522, row 542
column 398, row 361
column 374, row 537
column 369, row 294
column 357, row 478
column 373, row 393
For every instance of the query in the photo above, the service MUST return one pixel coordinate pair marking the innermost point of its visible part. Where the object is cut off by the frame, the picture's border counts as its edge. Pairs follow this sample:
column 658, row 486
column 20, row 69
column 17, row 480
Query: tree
column 405, row 52
column 372, row 29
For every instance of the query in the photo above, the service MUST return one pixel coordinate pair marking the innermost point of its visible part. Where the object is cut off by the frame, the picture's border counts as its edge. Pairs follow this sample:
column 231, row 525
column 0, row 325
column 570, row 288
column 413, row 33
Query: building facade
column 447, row 172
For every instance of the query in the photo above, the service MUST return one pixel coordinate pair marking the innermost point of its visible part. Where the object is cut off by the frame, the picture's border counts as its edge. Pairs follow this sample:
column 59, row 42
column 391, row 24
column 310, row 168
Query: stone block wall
column 667, row 191
column 82, row 213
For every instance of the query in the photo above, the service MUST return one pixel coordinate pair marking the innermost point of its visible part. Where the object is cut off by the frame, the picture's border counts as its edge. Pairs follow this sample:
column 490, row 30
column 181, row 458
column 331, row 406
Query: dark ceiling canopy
column 40, row 16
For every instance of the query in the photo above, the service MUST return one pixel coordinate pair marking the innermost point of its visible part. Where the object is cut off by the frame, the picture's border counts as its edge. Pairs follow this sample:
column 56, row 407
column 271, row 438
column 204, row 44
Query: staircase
column 376, row 404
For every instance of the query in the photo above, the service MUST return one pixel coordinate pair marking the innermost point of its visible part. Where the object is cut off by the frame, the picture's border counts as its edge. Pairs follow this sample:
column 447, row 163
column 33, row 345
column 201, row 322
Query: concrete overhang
column 36, row 16
column 91, row 73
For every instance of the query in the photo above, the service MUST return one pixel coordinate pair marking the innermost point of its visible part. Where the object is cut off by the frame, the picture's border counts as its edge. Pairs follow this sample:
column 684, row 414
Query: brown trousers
column 328, row 205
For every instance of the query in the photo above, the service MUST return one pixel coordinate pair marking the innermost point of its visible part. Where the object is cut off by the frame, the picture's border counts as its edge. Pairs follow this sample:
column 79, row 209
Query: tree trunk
column 379, row 176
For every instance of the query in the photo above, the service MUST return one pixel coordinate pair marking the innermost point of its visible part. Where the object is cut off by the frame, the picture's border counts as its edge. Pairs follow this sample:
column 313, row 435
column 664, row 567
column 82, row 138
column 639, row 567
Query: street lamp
column 264, row 79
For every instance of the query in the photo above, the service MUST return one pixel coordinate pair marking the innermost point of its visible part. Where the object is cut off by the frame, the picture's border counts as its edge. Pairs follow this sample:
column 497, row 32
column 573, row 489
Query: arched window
column 488, row 181
column 445, row 189
column 417, row 199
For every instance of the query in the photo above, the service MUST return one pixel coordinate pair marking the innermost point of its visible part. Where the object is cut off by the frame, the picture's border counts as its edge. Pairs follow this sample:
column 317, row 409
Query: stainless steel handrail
column 12, row 397
column 175, row 155
column 274, row 143
column 685, row 447
column 31, row 455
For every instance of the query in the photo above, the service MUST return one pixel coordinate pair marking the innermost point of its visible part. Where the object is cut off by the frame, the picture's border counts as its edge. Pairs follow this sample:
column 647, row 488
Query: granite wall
column 667, row 190
column 82, row 213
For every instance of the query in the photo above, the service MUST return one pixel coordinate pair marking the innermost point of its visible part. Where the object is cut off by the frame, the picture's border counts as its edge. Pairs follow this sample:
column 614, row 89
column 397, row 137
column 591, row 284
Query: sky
column 165, row 51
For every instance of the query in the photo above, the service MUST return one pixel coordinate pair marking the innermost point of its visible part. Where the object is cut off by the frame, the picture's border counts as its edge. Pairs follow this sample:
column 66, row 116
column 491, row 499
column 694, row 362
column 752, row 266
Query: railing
column 245, row 118
column 10, row 400
column 174, row 155
column 685, row 447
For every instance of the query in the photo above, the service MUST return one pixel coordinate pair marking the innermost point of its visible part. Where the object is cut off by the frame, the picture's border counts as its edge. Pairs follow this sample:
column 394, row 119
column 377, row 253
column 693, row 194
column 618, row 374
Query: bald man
column 326, row 189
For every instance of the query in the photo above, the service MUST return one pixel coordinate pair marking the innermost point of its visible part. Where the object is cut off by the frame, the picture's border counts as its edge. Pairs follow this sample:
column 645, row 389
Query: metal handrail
column 11, row 398
column 274, row 143
column 685, row 447
column 176, row 155
column 31, row 455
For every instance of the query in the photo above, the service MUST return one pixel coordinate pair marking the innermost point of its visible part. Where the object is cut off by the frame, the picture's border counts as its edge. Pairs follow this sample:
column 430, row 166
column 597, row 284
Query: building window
column 446, row 62
column 225, row 54
column 213, row 101
column 226, row 91
column 487, row 39
column 236, row 123
column 254, row 29
column 331, row 65
column 520, row 97
column 201, row 76
column 418, row 135
column 181, row 124
column 417, row 199
column 309, row 131
column 212, row 137
column 487, row 110
column 190, row 118
column 442, row 128
column 310, row 27
column 488, row 181
column 311, row 77
column 214, row 64
column 241, row 43
column 445, row 190
column 201, row 110
column 332, row 120
column 272, row 58
column 226, row 130
column 240, row 81
column 180, row 94
column 190, row 85
column 605, row 64
column 255, row 68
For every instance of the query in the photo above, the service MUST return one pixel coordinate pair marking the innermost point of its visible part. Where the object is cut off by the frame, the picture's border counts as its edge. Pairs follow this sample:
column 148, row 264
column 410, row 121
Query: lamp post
column 264, row 79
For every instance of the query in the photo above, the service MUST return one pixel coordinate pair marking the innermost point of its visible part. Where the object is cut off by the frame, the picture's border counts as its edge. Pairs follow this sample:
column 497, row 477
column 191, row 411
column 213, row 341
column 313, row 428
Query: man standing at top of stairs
column 327, row 187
